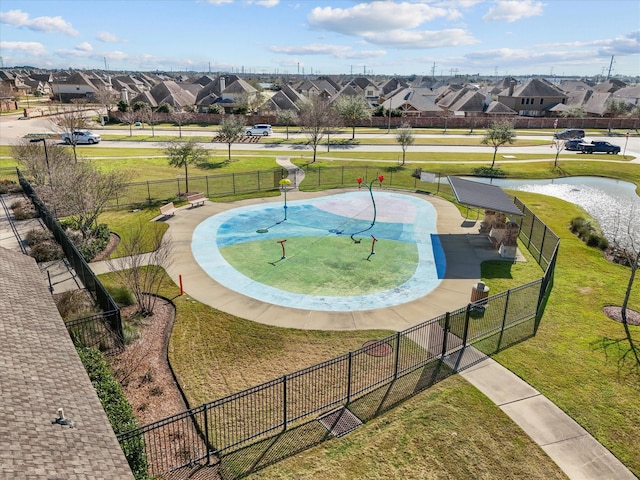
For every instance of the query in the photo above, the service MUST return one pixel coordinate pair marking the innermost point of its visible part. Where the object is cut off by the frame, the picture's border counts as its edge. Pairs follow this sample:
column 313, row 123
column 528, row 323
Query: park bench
column 196, row 199
column 168, row 209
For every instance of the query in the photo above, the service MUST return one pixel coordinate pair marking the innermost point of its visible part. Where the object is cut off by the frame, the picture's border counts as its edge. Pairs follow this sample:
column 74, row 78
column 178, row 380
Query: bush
column 46, row 251
column 489, row 172
column 75, row 304
column 23, row 210
column 116, row 406
column 588, row 233
column 94, row 243
column 38, row 235
column 9, row 186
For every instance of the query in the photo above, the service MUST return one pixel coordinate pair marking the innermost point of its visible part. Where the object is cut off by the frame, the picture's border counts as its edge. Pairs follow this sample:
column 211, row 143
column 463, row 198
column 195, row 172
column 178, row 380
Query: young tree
column 559, row 146
column 143, row 275
column 106, row 97
column 315, row 119
column 180, row 118
column 287, row 118
column 353, row 110
column 498, row 134
column 405, row 138
column 151, row 117
column 182, row 153
column 229, row 130
column 69, row 122
column 42, row 162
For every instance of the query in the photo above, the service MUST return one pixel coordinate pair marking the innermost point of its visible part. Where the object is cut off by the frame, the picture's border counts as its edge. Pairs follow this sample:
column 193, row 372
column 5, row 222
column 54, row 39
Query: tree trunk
column 186, row 179
column 627, row 294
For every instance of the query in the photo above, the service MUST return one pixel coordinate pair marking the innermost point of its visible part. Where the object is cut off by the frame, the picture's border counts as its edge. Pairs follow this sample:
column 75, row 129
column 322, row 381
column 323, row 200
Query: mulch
column 615, row 313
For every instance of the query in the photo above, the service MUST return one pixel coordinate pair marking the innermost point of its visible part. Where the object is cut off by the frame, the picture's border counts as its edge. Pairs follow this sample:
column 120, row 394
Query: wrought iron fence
column 109, row 322
column 235, row 435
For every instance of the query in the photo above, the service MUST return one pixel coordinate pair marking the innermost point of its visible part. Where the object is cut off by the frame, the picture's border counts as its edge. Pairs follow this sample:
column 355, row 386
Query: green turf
column 331, row 266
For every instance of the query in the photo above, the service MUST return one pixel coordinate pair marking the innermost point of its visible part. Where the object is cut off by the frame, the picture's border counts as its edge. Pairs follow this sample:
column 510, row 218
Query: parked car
column 569, row 133
column 599, row 147
column 573, row 144
column 259, row 129
column 80, row 137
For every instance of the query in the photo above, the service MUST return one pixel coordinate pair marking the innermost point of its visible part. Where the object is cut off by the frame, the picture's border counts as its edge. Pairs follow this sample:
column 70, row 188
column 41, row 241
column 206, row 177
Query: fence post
column 466, row 326
column 445, row 335
column 233, row 182
column 533, row 223
column 504, row 318
column 544, row 237
column 206, row 180
column 342, row 181
column 318, row 176
column 284, row 403
column 206, row 435
column 349, row 371
column 148, row 193
column 397, row 357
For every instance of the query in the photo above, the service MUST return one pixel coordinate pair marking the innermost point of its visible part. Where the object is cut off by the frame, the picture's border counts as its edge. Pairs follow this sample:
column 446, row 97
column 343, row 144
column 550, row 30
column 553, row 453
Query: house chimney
column 124, row 95
column 512, row 84
column 222, row 84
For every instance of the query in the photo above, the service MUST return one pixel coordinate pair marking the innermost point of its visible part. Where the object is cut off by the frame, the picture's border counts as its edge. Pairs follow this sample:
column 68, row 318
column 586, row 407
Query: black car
column 573, row 144
column 569, row 133
column 599, row 147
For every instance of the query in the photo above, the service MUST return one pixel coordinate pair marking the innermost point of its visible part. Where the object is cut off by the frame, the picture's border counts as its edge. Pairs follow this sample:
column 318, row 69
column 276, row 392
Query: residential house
column 533, row 98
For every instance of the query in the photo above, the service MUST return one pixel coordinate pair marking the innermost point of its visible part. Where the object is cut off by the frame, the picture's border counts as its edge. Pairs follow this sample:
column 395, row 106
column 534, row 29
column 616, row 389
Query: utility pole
column 610, row 66
column 433, row 71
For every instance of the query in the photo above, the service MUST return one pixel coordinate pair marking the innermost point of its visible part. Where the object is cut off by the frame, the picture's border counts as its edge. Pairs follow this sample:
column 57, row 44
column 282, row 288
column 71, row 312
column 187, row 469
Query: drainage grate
column 339, row 422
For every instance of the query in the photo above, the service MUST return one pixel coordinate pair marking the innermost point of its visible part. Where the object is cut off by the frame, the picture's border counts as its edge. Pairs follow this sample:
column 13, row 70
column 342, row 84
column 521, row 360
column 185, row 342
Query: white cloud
column 219, row 2
column 29, row 48
column 374, row 17
column 107, row 37
column 512, row 10
column 84, row 47
column 18, row 18
column 407, row 39
column 264, row 3
column 336, row 51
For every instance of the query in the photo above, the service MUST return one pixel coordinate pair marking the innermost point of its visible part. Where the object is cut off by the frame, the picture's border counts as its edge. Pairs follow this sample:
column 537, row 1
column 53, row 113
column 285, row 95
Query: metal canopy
column 482, row 195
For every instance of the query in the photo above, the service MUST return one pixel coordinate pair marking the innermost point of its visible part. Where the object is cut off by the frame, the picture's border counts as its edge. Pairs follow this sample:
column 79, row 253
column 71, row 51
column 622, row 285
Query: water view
column 613, row 203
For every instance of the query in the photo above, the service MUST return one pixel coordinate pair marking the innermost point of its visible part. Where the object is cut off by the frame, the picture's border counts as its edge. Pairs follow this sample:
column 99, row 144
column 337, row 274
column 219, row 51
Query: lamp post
column 46, row 156
column 283, row 183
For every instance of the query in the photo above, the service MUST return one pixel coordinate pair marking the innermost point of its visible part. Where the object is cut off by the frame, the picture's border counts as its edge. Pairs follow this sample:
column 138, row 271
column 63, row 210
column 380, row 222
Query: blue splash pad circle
column 399, row 217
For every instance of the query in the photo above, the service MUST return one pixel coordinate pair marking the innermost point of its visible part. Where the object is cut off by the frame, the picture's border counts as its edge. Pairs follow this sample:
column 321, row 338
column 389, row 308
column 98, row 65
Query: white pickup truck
column 80, row 137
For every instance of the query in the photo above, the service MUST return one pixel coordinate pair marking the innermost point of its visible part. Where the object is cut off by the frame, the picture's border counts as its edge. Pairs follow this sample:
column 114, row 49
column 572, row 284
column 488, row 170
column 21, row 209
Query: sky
column 316, row 37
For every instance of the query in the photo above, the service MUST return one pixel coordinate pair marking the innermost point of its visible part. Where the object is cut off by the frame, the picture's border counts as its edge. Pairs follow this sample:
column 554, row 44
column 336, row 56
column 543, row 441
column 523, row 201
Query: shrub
column 46, row 251
column 75, row 304
column 489, row 172
column 116, row 406
column 37, row 235
column 588, row 233
column 9, row 186
column 23, row 210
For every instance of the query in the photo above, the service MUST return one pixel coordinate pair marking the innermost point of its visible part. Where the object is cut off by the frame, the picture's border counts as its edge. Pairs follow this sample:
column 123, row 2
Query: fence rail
column 98, row 326
column 225, row 436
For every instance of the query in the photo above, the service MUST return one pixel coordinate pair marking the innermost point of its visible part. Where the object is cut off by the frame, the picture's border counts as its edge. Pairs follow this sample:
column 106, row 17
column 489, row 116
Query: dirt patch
column 615, row 313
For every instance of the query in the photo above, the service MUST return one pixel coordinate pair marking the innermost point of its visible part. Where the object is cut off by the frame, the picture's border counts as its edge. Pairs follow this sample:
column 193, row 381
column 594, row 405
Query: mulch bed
column 615, row 313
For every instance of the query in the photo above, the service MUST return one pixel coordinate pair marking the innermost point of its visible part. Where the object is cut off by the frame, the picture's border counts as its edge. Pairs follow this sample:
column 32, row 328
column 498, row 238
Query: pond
column 613, row 203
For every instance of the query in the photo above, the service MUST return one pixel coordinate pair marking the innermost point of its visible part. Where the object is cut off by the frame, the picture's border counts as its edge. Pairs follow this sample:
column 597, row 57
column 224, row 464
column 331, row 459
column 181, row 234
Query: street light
column 46, row 156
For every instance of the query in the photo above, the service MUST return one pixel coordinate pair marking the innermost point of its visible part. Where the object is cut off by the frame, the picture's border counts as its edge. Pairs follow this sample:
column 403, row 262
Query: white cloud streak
column 20, row 19
column 513, row 10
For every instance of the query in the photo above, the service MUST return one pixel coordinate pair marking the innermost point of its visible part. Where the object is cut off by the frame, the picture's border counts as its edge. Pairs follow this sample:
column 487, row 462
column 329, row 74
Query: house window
column 541, row 101
column 522, row 101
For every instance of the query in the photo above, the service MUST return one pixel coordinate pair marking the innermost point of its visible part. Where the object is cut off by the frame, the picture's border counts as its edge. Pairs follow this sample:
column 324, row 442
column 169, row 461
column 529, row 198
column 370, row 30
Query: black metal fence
column 95, row 329
column 211, row 185
column 243, row 432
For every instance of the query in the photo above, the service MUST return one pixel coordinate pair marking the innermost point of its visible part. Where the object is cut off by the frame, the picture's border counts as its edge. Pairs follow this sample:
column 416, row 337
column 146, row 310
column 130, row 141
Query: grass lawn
column 579, row 359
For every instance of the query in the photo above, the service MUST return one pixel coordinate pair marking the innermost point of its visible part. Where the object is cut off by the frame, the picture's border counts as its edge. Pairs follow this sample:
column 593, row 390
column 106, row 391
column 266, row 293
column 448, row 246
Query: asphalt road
column 12, row 129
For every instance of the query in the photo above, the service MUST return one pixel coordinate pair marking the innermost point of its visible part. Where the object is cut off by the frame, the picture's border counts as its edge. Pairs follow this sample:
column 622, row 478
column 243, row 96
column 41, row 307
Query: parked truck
column 599, row 147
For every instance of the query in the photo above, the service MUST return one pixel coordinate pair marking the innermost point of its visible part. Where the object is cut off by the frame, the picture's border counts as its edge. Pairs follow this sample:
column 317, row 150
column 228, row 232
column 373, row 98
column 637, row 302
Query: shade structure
column 482, row 195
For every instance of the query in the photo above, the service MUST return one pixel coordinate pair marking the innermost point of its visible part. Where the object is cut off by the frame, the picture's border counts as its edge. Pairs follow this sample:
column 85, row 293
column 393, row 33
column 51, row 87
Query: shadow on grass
column 212, row 165
column 252, row 458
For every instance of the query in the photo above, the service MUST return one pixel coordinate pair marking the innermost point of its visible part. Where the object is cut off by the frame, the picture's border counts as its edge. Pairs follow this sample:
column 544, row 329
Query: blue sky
column 552, row 37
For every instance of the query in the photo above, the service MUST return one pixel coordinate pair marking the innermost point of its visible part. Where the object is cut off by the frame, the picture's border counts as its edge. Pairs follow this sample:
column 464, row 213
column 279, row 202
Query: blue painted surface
column 414, row 221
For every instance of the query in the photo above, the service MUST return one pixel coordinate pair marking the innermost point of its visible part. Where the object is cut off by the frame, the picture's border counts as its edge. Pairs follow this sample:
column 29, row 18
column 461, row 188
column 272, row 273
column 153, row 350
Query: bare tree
column 559, row 146
column 229, row 130
column 498, row 134
column 182, row 153
column 143, row 273
column 130, row 117
column 106, row 97
column 84, row 192
column 315, row 119
column 353, row 110
column 152, row 117
column 70, row 121
column 41, row 160
column 287, row 118
column 405, row 138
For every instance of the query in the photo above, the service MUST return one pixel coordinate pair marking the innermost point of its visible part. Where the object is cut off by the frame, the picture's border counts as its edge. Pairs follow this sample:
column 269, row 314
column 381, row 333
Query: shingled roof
column 41, row 372
column 482, row 195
